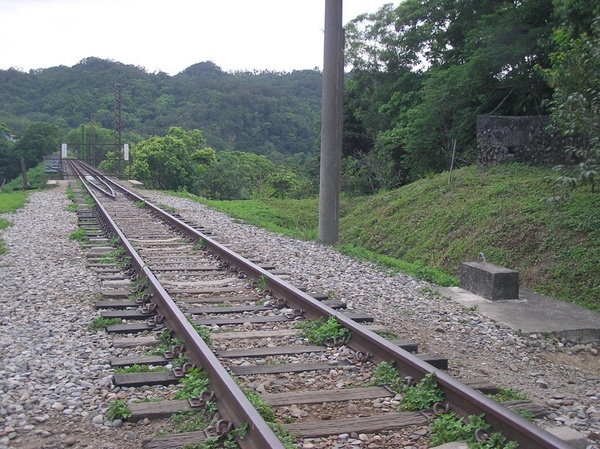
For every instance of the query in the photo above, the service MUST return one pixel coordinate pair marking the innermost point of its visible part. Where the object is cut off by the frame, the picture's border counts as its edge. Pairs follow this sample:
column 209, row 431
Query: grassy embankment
column 428, row 228
column 36, row 178
column 10, row 202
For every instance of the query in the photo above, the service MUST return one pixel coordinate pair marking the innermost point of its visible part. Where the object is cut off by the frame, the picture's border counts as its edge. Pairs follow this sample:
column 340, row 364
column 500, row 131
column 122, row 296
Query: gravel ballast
column 55, row 380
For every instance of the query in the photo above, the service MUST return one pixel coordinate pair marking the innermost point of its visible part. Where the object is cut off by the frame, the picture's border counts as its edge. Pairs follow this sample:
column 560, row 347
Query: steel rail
column 232, row 403
column 84, row 179
column 462, row 400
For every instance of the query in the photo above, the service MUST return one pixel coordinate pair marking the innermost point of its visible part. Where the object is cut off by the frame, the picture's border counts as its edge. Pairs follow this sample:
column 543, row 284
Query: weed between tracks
column 320, row 330
column 140, row 369
column 118, row 409
column 507, row 394
column 101, row 322
column 79, row 235
column 447, row 427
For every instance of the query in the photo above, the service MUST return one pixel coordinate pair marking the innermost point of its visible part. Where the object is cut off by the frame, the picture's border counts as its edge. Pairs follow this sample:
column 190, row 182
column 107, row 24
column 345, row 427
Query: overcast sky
column 169, row 35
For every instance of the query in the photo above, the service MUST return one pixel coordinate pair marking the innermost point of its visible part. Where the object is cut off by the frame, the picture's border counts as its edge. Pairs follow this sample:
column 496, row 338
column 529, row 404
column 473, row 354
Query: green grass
column 9, row 202
column 101, row 323
column 320, row 330
column 79, row 235
column 427, row 229
column 36, row 178
column 294, row 218
column 448, row 427
column 497, row 211
column 507, row 394
column 118, row 409
column 140, row 369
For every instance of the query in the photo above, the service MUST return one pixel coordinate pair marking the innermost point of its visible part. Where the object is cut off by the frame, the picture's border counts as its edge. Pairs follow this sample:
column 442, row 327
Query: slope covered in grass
column 496, row 211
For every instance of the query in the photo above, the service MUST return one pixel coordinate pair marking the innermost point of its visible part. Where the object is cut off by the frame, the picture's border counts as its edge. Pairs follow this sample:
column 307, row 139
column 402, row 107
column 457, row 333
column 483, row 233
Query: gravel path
column 54, row 373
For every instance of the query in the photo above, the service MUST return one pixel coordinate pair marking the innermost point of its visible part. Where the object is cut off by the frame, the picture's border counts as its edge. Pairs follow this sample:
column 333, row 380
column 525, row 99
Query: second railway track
column 184, row 278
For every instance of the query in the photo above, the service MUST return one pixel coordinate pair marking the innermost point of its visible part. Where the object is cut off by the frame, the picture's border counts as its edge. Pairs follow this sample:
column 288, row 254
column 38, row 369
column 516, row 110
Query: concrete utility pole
column 331, row 127
column 118, row 127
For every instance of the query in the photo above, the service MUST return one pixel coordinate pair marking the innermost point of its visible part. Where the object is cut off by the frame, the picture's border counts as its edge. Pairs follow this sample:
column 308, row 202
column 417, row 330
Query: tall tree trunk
column 24, row 173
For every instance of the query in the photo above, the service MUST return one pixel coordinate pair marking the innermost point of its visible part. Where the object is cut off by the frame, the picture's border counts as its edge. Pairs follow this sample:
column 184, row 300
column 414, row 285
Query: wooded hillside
column 257, row 112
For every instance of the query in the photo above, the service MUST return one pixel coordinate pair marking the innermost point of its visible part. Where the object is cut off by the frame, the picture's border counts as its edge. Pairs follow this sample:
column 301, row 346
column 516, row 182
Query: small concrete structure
column 135, row 183
column 489, row 281
column 534, row 314
column 570, row 436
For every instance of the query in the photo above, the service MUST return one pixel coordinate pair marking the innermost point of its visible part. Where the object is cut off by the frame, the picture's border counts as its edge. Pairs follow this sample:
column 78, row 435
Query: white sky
column 169, row 35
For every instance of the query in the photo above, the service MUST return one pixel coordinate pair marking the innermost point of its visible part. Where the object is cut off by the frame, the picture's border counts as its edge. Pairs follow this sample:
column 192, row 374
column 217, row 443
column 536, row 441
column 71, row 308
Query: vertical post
column 331, row 127
column 24, row 173
column 118, row 128
column 81, row 153
column 92, row 139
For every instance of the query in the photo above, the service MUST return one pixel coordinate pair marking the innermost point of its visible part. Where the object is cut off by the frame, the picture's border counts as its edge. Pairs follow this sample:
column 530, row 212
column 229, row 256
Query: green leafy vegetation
column 166, row 343
column 101, row 323
column 294, row 218
column 261, row 283
column 268, row 415
column 319, row 330
column 448, row 427
column 36, row 179
column 507, row 394
column 497, row 211
column 140, row 204
column 203, row 331
column 10, row 202
column 79, row 235
column 575, row 106
column 192, row 384
column 140, row 369
column 417, row 269
column 118, row 409
column 189, row 421
column 423, row 395
column 386, row 374
column 260, row 405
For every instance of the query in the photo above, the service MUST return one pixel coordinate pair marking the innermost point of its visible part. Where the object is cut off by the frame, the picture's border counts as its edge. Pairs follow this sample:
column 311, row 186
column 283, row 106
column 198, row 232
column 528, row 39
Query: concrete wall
column 516, row 139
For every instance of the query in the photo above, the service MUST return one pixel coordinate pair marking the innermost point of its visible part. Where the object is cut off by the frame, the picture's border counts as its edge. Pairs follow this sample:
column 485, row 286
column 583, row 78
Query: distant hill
column 259, row 112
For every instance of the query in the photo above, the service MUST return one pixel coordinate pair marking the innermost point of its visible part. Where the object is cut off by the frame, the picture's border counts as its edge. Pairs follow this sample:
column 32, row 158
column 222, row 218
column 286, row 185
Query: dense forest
column 418, row 75
column 258, row 112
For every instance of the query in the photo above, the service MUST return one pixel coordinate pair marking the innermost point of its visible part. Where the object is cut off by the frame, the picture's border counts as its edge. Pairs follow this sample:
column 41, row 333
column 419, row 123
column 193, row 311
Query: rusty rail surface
column 462, row 400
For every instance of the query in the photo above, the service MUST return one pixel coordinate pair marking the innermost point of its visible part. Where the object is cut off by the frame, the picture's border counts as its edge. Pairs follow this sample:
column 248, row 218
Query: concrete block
column 570, row 436
column 490, row 281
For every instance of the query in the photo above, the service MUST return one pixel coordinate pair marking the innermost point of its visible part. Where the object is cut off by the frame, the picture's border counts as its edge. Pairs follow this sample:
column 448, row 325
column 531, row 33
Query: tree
column 424, row 70
column 575, row 105
column 39, row 140
column 235, row 175
column 90, row 142
column 171, row 162
column 9, row 168
column 282, row 182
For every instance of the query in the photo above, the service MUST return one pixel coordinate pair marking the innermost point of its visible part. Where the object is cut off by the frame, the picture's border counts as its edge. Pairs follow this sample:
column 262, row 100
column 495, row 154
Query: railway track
column 181, row 280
